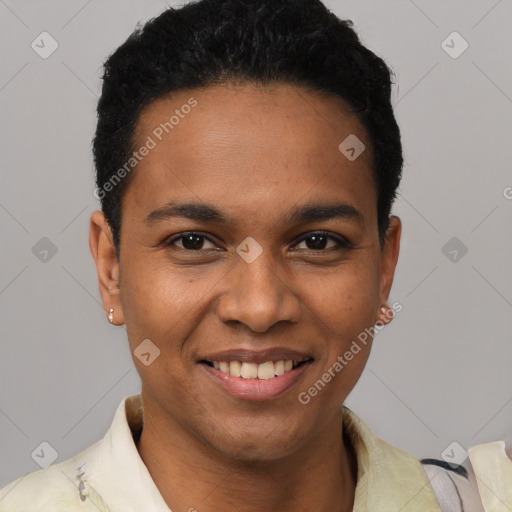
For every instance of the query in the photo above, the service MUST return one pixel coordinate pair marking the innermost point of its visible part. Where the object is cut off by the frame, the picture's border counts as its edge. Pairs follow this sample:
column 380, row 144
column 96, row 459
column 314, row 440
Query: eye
column 319, row 239
column 315, row 241
column 190, row 241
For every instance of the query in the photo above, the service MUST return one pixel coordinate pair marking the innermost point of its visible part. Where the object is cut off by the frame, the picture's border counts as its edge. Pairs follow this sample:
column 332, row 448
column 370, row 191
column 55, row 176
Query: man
column 247, row 160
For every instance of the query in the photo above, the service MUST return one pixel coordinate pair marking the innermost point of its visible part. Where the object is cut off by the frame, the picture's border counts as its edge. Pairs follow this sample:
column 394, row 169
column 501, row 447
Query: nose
column 258, row 295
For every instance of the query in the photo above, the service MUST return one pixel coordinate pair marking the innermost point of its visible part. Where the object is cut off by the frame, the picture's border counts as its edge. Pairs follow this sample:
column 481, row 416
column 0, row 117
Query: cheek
column 346, row 300
column 159, row 306
column 165, row 306
column 155, row 299
column 344, row 304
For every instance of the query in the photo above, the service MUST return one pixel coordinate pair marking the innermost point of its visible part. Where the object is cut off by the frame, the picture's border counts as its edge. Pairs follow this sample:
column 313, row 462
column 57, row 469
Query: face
column 277, row 260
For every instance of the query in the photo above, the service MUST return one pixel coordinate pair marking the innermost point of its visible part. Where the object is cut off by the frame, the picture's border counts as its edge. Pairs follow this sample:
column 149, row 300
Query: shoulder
column 483, row 483
column 492, row 463
column 53, row 489
column 71, row 485
column 455, row 486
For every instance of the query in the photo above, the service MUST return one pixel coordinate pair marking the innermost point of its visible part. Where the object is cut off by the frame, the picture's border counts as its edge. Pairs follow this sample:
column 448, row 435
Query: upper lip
column 256, row 356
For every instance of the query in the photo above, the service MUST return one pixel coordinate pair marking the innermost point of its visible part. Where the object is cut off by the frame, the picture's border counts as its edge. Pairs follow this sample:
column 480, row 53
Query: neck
column 191, row 475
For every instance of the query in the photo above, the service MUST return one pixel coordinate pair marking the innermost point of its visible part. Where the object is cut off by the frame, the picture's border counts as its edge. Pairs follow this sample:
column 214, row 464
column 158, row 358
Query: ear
column 107, row 266
column 389, row 258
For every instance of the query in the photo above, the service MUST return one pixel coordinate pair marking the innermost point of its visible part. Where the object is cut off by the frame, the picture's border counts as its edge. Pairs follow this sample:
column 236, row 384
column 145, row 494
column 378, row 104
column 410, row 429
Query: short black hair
column 209, row 42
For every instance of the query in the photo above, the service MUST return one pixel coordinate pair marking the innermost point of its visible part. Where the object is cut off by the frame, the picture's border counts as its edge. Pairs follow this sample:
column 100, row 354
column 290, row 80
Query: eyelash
column 342, row 243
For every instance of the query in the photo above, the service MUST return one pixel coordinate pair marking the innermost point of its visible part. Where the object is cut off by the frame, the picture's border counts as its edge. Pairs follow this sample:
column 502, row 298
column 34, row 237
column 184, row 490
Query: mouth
column 251, row 375
column 263, row 371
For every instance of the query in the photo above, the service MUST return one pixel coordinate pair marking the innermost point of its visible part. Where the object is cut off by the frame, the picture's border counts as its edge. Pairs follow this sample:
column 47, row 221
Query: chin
column 258, row 444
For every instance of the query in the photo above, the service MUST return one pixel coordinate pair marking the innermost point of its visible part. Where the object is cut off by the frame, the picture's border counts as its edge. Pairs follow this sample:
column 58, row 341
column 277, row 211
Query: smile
column 256, row 376
column 264, row 371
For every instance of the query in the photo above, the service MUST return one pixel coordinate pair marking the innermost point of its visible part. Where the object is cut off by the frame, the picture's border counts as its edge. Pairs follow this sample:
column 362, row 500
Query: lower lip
column 257, row 389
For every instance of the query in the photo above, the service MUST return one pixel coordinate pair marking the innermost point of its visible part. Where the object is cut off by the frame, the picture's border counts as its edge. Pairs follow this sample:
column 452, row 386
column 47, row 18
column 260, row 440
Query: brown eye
column 191, row 241
column 317, row 241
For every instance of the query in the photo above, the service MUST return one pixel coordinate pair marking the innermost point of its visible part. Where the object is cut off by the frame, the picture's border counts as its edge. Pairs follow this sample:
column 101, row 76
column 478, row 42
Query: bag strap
column 454, row 486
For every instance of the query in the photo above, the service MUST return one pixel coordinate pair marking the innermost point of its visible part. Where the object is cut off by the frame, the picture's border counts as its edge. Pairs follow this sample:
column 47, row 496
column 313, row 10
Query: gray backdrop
column 438, row 374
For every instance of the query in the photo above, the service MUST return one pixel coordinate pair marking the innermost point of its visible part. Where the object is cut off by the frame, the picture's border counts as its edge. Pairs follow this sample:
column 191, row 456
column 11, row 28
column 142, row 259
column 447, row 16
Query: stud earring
column 383, row 313
column 110, row 315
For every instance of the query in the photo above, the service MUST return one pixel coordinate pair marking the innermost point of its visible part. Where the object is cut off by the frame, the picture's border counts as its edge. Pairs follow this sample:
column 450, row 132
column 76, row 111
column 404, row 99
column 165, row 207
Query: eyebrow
column 204, row 212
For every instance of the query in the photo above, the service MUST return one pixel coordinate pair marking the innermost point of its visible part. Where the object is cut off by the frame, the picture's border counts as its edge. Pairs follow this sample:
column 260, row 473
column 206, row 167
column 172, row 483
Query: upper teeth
column 245, row 370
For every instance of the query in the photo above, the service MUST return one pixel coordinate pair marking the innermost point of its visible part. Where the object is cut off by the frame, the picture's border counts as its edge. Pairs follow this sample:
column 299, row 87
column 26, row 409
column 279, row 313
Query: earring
column 383, row 313
column 110, row 315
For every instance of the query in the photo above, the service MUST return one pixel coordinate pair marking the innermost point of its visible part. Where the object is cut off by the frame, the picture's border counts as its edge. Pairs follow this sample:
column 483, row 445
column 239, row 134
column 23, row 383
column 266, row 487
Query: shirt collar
column 120, row 476
column 493, row 469
column 388, row 478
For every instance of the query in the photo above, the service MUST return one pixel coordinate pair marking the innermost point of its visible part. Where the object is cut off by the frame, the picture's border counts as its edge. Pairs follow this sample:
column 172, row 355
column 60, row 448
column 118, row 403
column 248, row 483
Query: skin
column 254, row 152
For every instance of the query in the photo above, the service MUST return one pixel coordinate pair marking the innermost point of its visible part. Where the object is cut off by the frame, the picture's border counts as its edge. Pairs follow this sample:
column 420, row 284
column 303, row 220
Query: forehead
column 247, row 147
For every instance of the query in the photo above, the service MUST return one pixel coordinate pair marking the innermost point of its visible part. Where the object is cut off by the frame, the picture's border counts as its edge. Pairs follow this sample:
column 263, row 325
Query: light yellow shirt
column 110, row 475
column 493, row 471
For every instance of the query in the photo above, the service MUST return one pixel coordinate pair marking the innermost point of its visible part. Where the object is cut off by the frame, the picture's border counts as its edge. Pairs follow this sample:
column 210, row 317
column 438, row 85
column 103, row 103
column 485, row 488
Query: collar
column 388, row 478
column 493, row 469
